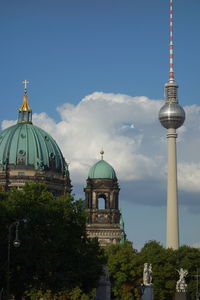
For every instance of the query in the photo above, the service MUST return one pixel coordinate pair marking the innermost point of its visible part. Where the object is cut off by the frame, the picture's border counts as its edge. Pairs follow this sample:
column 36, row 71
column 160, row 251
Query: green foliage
column 123, row 267
column 57, row 261
column 189, row 258
column 164, row 273
column 126, row 269
column 55, row 254
column 75, row 294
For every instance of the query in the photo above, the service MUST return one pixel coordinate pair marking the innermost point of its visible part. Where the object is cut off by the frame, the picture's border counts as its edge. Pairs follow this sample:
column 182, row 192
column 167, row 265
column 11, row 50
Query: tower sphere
column 171, row 115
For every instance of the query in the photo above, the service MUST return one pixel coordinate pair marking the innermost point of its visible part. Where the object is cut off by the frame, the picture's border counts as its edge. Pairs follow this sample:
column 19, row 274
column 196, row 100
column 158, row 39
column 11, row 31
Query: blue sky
column 71, row 49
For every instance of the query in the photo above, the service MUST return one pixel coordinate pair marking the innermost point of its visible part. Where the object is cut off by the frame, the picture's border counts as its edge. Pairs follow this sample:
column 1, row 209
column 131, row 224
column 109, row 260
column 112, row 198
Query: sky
column 97, row 70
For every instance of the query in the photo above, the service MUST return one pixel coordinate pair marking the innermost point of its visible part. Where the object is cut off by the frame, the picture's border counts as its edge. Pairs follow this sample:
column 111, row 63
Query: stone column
column 104, row 289
column 181, row 296
column 148, row 293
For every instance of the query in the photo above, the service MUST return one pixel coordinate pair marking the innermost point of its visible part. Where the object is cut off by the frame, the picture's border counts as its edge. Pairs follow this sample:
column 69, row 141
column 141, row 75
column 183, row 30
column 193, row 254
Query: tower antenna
column 172, row 116
column 171, row 45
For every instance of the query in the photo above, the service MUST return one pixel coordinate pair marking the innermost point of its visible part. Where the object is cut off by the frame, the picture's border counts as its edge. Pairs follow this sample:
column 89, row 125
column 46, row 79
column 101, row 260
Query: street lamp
column 197, row 285
column 16, row 244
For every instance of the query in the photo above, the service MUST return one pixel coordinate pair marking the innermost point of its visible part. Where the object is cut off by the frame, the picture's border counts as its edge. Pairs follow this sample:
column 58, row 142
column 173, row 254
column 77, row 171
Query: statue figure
column 147, row 274
column 181, row 285
column 150, row 273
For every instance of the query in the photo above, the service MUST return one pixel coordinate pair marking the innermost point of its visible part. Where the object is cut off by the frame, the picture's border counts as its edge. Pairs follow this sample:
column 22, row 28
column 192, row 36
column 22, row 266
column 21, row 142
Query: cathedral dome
column 29, row 154
column 27, row 145
column 102, row 169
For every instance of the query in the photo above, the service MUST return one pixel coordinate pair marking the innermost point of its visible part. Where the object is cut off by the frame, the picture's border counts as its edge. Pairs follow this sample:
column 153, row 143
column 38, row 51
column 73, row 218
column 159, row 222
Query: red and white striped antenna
column 171, row 46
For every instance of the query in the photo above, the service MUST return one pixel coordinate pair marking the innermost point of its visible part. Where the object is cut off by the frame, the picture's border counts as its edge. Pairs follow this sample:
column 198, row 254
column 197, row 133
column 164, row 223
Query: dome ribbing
column 102, row 169
column 29, row 154
column 27, row 145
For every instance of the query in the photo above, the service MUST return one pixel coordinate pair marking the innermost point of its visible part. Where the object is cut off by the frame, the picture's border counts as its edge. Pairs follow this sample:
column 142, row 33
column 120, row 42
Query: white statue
column 181, row 285
column 150, row 273
column 147, row 274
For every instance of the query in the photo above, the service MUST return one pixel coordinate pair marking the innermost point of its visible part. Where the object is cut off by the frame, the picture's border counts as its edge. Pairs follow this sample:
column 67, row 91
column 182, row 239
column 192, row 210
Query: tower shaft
column 172, row 116
column 172, row 193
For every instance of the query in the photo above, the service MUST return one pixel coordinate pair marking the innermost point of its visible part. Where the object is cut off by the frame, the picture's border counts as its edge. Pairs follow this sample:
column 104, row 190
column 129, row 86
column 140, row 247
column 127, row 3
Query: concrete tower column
column 172, row 240
column 172, row 116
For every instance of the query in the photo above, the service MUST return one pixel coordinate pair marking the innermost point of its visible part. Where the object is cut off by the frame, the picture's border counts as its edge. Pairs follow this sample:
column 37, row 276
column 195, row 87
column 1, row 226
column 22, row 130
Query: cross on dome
column 25, row 82
column 25, row 113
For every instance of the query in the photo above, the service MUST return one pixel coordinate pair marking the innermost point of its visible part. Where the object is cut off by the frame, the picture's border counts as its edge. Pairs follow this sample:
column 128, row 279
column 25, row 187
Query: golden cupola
column 25, row 112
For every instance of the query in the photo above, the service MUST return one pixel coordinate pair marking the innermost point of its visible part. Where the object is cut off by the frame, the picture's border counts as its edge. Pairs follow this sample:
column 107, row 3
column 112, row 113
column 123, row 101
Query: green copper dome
column 27, row 146
column 102, row 170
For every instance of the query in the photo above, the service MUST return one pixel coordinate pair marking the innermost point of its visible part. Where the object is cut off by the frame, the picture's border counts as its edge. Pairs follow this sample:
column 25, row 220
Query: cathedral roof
column 26, row 145
column 102, row 169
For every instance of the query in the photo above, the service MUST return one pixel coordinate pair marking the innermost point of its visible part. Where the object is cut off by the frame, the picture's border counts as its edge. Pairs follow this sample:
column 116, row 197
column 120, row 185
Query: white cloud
column 106, row 120
column 129, row 131
column 7, row 123
column 189, row 178
column 196, row 245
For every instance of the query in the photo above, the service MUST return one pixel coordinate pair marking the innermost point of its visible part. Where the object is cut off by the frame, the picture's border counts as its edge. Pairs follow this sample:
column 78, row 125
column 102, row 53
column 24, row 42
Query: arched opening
column 101, row 202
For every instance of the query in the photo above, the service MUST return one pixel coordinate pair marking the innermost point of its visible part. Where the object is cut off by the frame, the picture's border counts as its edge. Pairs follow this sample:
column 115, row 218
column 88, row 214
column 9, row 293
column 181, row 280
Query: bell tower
column 102, row 204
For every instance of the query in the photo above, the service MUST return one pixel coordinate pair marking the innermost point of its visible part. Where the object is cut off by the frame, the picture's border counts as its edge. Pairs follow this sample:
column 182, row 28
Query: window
column 20, row 173
column 101, row 203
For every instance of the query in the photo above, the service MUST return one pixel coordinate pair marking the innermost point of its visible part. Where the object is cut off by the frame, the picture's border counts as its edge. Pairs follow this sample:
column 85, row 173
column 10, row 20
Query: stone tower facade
column 102, row 204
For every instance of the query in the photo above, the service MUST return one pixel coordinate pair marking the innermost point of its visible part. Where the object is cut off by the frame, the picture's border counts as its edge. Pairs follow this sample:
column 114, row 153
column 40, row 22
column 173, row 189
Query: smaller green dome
column 102, row 170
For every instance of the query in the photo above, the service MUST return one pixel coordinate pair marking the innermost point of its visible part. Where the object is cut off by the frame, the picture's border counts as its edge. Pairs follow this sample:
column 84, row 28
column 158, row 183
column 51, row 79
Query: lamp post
column 197, row 285
column 16, row 244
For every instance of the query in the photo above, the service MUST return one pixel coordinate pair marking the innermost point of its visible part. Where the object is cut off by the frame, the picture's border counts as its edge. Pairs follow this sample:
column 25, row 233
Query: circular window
column 22, row 152
column 52, row 155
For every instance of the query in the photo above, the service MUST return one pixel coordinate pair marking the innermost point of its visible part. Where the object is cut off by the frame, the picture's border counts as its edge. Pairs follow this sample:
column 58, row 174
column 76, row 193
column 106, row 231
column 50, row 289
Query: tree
column 55, row 253
column 164, row 273
column 126, row 269
column 123, row 268
column 165, row 263
column 189, row 258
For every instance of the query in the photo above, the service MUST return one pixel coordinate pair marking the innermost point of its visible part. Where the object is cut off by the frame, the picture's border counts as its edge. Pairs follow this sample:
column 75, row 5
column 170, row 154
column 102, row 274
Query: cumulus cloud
column 189, row 176
column 135, row 144
column 128, row 130
column 116, row 123
column 7, row 123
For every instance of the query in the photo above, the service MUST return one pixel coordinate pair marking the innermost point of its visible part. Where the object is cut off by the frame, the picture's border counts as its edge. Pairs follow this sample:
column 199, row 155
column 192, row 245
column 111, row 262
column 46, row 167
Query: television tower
column 172, row 116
